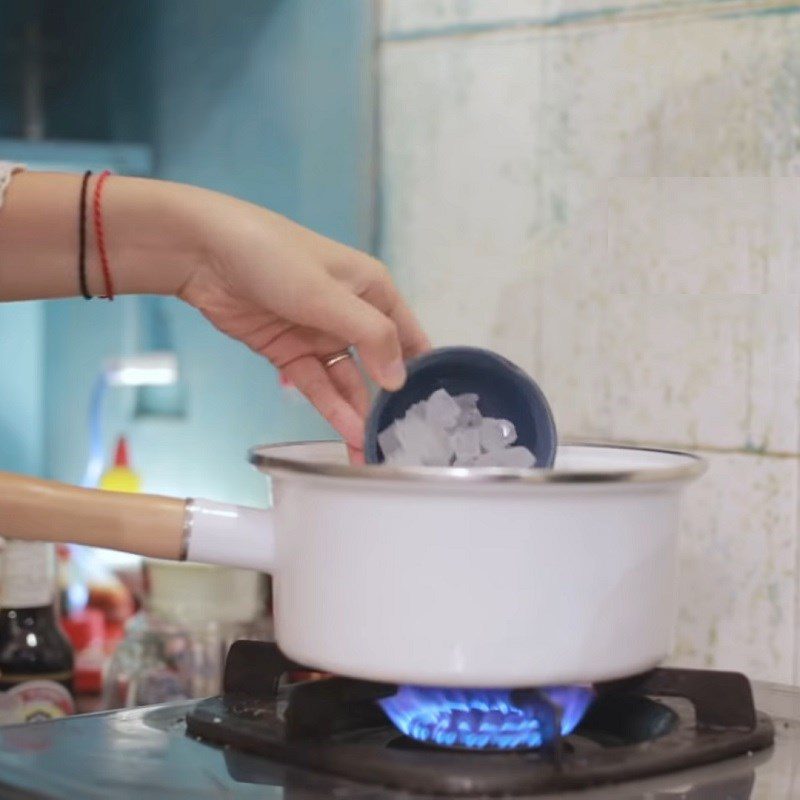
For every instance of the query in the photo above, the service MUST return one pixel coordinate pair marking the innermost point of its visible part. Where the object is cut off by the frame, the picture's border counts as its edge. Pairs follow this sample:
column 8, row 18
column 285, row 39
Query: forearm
column 286, row 292
column 151, row 228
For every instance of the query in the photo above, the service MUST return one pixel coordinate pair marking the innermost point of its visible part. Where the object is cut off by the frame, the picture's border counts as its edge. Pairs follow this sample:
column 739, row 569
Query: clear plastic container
column 175, row 649
column 161, row 661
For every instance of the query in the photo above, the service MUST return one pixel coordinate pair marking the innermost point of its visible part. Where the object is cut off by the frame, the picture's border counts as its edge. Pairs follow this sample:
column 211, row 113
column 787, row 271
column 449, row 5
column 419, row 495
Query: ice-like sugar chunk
column 426, row 444
column 519, row 457
column 469, row 419
column 399, row 458
column 515, row 457
column 466, row 402
column 442, row 410
column 445, row 430
column 388, row 440
column 440, row 453
column 412, row 433
column 497, row 434
column 470, row 416
column 509, row 431
column 417, row 410
column 466, row 444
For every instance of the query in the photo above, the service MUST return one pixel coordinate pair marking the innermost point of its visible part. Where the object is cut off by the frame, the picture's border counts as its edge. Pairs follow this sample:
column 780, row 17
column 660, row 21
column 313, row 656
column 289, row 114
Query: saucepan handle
column 147, row 525
column 230, row 535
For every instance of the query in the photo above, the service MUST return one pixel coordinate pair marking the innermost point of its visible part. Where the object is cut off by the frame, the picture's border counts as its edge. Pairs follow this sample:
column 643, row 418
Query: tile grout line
column 655, row 12
column 796, row 648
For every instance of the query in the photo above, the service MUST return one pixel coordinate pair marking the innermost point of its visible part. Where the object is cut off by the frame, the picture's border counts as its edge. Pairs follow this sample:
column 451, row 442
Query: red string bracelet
column 100, row 234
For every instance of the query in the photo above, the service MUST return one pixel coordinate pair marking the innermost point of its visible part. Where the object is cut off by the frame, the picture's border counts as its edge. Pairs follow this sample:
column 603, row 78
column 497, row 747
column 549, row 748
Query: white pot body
column 477, row 582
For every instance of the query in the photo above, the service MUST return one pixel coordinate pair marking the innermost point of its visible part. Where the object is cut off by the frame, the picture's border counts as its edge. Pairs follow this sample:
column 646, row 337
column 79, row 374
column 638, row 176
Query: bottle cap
column 121, row 454
column 84, row 628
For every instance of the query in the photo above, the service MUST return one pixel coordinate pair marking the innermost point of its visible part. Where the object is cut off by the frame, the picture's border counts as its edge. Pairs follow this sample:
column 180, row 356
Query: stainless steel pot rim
column 272, row 458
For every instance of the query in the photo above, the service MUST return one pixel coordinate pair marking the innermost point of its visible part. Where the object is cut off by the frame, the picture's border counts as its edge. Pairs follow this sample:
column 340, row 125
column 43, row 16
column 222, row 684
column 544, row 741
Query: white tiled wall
column 414, row 18
column 611, row 198
column 738, row 581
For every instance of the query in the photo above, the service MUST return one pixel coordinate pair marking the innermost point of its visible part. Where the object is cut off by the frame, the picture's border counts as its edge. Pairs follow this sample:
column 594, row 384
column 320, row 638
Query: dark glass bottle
column 36, row 662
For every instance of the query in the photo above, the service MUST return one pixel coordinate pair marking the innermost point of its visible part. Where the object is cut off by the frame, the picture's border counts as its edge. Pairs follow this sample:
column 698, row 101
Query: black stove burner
column 335, row 726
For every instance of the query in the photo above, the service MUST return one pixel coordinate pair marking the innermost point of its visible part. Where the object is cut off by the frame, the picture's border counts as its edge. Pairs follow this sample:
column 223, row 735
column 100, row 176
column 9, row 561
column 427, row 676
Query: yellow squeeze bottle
column 121, row 478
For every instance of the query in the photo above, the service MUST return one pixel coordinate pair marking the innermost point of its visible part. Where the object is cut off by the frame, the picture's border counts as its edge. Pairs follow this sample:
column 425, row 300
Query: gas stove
column 670, row 733
column 337, row 726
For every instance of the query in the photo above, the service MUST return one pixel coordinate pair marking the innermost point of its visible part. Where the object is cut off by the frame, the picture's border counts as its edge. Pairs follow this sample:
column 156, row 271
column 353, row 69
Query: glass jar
column 175, row 648
column 161, row 661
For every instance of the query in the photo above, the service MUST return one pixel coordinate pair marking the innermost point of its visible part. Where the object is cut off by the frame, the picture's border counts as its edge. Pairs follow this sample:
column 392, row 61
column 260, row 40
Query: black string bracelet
column 82, row 239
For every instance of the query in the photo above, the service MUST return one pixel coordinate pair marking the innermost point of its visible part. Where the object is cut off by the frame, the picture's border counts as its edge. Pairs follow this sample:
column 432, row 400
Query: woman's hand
column 296, row 297
column 291, row 295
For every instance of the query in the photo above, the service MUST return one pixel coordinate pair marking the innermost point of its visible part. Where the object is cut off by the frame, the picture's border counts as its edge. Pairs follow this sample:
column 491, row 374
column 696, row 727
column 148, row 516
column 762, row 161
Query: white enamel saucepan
column 431, row 576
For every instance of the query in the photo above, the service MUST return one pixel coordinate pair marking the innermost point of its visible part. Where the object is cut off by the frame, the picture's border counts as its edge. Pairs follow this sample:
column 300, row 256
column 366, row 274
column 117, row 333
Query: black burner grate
column 335, row 726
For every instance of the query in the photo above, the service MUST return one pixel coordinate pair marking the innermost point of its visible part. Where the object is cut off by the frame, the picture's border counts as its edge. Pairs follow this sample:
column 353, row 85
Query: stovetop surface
column 145, row 753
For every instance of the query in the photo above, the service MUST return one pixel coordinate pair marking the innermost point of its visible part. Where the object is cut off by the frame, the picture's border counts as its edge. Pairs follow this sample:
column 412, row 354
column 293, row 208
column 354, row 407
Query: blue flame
column 487, row 718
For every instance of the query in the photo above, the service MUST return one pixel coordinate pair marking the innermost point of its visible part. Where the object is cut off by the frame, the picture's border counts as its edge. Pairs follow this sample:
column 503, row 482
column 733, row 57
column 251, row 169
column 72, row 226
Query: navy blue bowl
column 504, row 391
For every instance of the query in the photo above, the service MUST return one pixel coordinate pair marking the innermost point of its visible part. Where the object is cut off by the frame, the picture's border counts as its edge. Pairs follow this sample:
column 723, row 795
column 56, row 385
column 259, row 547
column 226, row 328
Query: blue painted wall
column 21, row 384
column 271, row 103
column 11, row 17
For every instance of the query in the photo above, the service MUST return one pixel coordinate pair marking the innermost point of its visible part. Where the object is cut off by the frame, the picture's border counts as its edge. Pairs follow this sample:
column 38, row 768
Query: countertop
column 141, row 752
